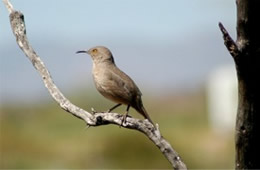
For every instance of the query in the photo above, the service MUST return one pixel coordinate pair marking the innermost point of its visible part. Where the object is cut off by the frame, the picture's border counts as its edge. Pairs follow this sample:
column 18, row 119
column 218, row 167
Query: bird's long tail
column 143, row 112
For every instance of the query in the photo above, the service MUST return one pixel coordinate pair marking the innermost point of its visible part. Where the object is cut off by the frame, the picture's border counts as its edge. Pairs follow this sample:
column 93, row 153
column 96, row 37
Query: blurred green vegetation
column 42, row 135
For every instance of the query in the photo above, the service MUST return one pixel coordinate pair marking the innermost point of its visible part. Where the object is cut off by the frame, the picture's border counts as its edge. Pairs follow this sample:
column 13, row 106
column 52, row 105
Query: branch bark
column 92, row 119
column 246, row 53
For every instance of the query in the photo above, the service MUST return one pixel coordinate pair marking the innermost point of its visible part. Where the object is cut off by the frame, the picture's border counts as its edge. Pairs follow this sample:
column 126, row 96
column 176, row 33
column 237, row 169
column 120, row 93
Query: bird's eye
column 94, row 50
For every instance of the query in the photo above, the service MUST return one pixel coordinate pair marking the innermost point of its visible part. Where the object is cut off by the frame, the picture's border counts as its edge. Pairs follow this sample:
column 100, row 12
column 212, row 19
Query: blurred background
column 172, row 49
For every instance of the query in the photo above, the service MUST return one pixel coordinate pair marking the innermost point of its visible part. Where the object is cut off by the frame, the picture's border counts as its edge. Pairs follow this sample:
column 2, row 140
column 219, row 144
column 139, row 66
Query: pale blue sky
column 161, row 44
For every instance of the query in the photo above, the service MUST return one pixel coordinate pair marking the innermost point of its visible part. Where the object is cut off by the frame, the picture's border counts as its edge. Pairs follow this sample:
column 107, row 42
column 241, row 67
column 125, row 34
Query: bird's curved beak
column 81, row 51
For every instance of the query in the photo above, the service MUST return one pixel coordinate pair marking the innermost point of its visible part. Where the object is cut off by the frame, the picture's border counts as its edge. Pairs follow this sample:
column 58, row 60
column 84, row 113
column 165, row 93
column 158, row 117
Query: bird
column 113, row 83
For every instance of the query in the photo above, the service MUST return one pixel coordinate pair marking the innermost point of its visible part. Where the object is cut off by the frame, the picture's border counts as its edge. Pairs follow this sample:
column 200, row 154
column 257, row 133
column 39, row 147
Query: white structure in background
column 222, row 98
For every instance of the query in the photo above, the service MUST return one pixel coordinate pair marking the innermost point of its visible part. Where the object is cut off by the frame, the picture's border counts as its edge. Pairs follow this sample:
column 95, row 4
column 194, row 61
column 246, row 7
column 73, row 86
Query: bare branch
column 9, row 6
column 18, row 27
column 96, row 119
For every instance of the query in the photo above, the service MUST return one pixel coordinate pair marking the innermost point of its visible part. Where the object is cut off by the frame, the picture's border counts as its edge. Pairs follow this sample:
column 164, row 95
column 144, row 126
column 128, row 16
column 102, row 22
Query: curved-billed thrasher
column 114, row 84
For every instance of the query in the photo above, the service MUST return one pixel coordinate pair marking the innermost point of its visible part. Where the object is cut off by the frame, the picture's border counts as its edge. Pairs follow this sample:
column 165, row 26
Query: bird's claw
column 124, row 119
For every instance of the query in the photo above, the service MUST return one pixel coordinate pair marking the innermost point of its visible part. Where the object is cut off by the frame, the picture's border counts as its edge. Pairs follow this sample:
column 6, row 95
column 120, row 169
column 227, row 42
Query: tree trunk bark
column 246, row 53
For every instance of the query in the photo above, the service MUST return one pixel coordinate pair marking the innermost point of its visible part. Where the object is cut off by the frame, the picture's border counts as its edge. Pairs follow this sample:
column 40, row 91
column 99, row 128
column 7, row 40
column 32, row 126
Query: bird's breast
column 98, row 74
column 102, row 82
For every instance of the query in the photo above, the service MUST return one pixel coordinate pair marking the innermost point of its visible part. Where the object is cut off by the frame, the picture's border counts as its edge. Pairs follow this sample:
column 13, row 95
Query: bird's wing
column 125, row 81
column 120, row 87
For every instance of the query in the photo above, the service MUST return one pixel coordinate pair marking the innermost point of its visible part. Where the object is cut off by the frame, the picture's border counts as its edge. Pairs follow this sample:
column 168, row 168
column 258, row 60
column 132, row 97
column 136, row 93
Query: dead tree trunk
column 246, row 54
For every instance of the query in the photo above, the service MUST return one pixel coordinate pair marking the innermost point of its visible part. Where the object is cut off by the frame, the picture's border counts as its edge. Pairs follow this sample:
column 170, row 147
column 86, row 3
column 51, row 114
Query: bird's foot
column 124, row 119
column 108, row 111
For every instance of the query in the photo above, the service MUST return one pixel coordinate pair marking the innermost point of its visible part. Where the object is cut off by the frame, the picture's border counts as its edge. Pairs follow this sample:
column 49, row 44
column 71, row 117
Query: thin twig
column 9, row 6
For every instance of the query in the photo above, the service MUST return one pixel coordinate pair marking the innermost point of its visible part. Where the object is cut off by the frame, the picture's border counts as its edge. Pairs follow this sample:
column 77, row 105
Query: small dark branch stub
column 99, row 120
column 229, row 42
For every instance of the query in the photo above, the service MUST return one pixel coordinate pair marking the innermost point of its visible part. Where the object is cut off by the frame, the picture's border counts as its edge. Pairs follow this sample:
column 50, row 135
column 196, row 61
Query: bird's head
column 99, row 54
